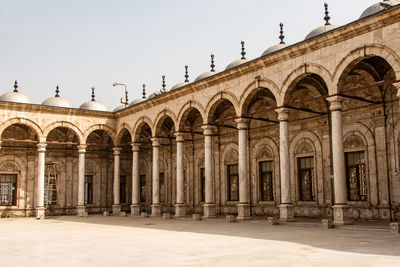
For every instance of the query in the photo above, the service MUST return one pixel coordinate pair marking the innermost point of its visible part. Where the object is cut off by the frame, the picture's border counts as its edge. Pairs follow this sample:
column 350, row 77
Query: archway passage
column 222, row 115
column 19, row 136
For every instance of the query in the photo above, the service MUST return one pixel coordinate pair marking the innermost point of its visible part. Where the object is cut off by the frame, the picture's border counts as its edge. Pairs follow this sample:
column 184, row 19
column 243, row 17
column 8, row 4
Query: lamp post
column 126, row 101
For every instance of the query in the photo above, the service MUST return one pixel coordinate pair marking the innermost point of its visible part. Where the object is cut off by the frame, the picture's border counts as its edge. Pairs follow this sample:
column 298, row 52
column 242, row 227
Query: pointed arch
column 24, row 121
column 64, row 124
column 298, row 74
column 164, row 113
column 361, row 53
column 139, row 123
column 219, row 97
column 103, row 127
column 189, row 105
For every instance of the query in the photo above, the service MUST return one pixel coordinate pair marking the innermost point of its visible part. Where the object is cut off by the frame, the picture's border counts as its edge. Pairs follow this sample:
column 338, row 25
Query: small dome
column 205, row 75
column 119, row 108
column 15, row 97
column 93, row 105
column 179, row 85
column 236, row 63
column 274, row 48
column 57, row 101
column 157, row 93
column 320, row 30
column 375, row 8
column 137, row 101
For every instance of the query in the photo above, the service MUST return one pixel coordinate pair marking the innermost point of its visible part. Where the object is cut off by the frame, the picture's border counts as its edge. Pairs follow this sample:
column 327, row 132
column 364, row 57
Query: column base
column 41, row 213
column 209, row 211
column 286, row 213
column 243, row 212
column 81, row 211
column 116, row 209
column 180, row 210
column 135, row 210
column 155, row 210
column 341, row 215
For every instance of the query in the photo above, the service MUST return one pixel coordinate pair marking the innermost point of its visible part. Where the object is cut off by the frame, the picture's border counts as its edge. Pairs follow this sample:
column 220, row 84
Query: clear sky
column 78, row 44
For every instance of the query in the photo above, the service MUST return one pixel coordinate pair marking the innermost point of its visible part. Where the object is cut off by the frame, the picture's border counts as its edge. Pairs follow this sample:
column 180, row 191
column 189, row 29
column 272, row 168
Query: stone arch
column 364, row 133
column 118, row 138
column 64, row 124
column 299, row 73
column 214, row 101
column 31, row 124
column 361, row 53
column 158, row 121
column 314, row 143
column 11, row 163
column 138, row 126
column 254, row 86
column 107, row 129
column 232, row 147
column 189, row 105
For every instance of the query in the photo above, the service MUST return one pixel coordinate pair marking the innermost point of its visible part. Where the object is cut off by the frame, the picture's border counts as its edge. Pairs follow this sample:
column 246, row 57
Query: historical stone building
column 310, row 129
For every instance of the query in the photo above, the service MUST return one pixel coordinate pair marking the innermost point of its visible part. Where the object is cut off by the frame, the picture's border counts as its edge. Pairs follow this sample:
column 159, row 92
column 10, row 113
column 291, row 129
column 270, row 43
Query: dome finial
column 326, row 18
column 163, row 82
column 186, row 74
column 144, row 91
column 57, row 91
column 212, row 63
column 16, row 86
column 281, row 32
column 93, row 95
column 243, row 52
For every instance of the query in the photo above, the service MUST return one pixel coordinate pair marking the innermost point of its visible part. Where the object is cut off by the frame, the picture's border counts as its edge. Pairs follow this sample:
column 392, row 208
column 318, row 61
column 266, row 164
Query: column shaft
column 116, row 187
column 40, row 209
column 156, row 172
column 135, row 175
column 209, row 206
column 180, row 198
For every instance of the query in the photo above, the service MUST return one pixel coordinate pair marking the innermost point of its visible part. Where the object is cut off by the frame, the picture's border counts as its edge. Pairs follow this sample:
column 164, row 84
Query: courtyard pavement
column 128, row 241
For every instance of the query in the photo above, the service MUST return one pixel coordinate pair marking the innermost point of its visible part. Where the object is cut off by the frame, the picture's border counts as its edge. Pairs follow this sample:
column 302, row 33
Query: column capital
column 82, row 149
column 335, row 102
column 208, row 129
column 41, row 147
column 155, row 141
column 117, row 150
column 135, row 146
column 179, row 137
column 283, row 113
column 242, row 124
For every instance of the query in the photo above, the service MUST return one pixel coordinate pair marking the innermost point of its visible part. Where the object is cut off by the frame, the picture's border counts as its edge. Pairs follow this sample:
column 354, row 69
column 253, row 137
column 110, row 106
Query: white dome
column 119, row 108
column 320, row 30
column 179, row 85
column 274, row 48
column 236, row 63
column 15, row 97
column 375, row 8
column 137, row 101
column 157, row 93
column 57, row 101
column 93, row 105
column 205, row 75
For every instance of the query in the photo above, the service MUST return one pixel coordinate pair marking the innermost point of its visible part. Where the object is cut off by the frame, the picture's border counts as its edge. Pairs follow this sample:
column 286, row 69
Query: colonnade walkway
column 135, row 241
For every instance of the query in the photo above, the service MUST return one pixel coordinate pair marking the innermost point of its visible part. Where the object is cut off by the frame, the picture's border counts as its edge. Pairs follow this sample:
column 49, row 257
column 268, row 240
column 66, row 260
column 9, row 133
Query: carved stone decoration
column 8, row 166
column 232, row 156
column 353, row 141
column 304, row 147
column 265, row 152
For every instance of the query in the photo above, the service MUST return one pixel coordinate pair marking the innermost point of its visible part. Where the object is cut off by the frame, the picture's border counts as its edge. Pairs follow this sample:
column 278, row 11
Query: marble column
column 180, row 190
column 286, row 207
column 40, row 208
column 135, row 207
column 243, row 206
column 340, row 209
column 116, row 208
column 81, row 209
column 156, row 207
column 209, row 205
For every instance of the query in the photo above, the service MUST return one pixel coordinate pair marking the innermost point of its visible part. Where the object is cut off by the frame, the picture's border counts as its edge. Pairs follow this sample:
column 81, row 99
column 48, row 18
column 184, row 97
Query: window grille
column 356, row 176
column 8, row 188
column 122, row 189
column 88, row 189
column 202, row 185
column 143, row 188
column 266, row 181
column 233, row 183
column 306, row 178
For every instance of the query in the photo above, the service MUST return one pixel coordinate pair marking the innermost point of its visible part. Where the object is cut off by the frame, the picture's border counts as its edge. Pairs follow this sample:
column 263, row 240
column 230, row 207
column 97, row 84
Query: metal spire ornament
column 163, row 83
column 212, row 63
column 327, row 17
column 16, row 86
column 186, row 74
column 243, row 52
column 57, row 91
column 144, row 91
column 93, row 95
column 281, row 32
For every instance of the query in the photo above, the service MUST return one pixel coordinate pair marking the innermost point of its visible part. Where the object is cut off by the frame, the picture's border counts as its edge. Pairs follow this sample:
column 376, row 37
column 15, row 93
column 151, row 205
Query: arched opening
column 99, row 173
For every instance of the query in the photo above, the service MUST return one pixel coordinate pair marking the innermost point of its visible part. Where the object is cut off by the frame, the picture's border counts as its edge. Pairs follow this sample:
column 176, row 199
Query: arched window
column 232, row 174
column 356, row 171
column 306, row 178
column 265, row 174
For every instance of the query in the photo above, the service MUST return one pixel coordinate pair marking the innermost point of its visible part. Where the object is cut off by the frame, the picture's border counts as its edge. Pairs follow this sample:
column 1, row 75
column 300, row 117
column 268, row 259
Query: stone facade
column 286, row 134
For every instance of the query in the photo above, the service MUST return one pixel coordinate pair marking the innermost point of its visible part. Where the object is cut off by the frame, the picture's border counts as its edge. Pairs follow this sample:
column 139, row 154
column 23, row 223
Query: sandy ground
column 128, row 241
